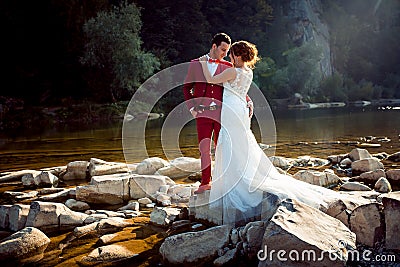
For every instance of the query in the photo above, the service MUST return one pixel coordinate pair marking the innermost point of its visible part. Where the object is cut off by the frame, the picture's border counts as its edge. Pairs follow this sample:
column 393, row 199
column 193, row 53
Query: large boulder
column 25, row 246
column 342, row 207
column 194, row 248
column 391, row 204
column 288, row 233
column 365, row 222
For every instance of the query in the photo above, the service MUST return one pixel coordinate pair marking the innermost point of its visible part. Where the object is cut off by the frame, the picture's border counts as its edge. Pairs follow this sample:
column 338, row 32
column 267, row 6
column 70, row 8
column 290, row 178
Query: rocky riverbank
column 146, row 214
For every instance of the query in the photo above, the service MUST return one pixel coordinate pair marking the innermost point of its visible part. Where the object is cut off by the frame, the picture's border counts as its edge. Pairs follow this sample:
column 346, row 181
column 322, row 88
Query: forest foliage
column 102, row 51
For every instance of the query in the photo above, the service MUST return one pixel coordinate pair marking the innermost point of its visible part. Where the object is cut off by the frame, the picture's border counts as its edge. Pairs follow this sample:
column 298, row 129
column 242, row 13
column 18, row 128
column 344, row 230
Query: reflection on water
column 57, row 147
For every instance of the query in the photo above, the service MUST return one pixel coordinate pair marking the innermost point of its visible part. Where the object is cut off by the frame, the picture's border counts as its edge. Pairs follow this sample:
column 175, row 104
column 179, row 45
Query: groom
column 204, row 101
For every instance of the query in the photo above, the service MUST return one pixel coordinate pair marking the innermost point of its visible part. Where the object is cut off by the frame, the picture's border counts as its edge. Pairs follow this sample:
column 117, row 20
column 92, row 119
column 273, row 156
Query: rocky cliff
column 302, row 23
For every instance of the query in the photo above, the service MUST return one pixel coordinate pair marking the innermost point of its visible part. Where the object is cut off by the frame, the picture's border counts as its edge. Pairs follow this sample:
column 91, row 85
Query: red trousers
column 205, row 128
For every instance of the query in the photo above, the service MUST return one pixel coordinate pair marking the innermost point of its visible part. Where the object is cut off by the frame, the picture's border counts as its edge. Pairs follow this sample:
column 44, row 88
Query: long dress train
column 243, row 175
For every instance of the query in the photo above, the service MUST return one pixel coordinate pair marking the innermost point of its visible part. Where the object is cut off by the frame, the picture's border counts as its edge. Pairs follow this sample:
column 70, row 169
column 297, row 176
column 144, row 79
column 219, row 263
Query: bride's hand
column 203, row 58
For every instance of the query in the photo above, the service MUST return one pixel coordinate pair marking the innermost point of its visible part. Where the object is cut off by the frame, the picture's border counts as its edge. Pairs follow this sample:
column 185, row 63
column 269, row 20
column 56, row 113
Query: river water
column 316, row 132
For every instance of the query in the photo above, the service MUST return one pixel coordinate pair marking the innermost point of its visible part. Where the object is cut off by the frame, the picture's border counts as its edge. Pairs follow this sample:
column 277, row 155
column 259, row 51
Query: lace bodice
column 241, row 84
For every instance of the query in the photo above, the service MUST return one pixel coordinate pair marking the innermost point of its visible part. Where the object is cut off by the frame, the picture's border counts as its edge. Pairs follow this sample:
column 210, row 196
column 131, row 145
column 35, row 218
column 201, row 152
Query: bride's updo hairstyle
column 247, row 51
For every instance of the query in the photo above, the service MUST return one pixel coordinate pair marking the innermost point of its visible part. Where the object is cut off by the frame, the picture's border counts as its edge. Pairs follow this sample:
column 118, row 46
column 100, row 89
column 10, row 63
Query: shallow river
column 318, row 132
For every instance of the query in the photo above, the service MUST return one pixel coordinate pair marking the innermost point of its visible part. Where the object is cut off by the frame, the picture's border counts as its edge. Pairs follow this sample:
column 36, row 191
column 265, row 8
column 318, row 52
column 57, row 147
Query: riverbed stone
column 342, row 207
column 252, row 237
column 151, row 165
column 372, row 176
column 25, row 246
column 147, row 185
column 95, row 218
column 289, row 230
column 359, row 153
column 391, row 204
column 4, row 217
column 50, row 190
column 45, row 215
column 132, row 205
column 106, row 189
column 115, row 184
column 345, row 163
column 200, row 208
column 60, row 196
column 18, row 214
column 393, row 175
column 281, row 162
column 70, row 219
column 98, row 167
column 325, row 178
column 28, row 180
column 27, row 195
column 366, row 165
column 164, row 216
column 77, row 205
column 46, row 178
column 113, row 224
column 17, row 175
column 365, row 221
column 383, row 185
column 226, row 259
column 90, row 194
column 334, row 159
column 76, row 170
column 354, row 186
column 109, row 253
column 195, row 248
column 181, row 167
column 179, row 192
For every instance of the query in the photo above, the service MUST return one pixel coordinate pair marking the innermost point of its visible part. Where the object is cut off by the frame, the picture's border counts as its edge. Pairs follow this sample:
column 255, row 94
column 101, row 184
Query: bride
column 242, row 173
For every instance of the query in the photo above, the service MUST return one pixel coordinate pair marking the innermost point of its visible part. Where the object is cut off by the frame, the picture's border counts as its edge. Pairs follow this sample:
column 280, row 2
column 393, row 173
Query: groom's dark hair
column 219, row 38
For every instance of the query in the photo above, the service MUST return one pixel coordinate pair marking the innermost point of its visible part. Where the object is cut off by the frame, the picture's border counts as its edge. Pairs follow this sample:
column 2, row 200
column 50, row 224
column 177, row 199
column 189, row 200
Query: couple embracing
column 215, row 91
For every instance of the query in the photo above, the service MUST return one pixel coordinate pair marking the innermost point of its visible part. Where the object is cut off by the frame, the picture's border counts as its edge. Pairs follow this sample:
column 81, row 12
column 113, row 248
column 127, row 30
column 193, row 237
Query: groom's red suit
column 206, row 99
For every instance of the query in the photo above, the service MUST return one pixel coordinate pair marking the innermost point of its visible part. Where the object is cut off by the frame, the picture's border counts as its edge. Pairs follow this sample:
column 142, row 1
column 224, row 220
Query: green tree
column 175, row 30
column 303, row 69
column 332, row 89
column 113, row 52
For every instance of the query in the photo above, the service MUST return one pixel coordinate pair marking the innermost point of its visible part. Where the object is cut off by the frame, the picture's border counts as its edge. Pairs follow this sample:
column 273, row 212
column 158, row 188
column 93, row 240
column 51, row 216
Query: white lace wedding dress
column 243, row 175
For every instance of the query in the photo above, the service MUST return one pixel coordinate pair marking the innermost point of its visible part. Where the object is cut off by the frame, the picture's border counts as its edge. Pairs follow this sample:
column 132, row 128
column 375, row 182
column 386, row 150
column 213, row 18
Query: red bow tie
column 211, row 60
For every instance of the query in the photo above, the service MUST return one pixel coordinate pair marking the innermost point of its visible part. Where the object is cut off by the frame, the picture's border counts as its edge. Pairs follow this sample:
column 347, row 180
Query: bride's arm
column 226, row 75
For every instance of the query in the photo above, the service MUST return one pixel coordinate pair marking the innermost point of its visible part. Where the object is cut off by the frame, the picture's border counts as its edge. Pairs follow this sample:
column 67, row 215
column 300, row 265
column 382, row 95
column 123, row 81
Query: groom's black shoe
column 203, row 188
